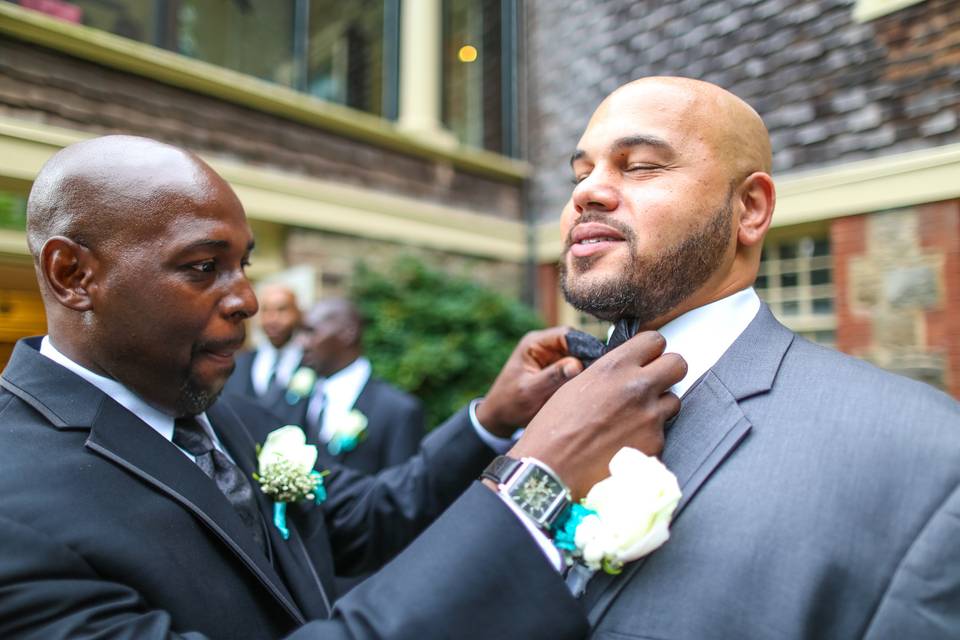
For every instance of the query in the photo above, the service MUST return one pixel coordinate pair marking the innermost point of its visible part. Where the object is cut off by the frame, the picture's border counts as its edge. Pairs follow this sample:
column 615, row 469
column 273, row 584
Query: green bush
column 439, row 337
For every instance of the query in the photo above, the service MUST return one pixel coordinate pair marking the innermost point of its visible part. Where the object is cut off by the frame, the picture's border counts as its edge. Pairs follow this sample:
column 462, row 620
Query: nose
column 240, row 302
column 595, row 192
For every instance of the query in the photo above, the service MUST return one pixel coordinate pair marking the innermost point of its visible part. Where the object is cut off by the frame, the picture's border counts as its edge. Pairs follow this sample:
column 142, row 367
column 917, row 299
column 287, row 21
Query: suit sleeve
column 371, row 518
column 405, row 435
column 48, row 591
column 475, row 573
column 923, row 598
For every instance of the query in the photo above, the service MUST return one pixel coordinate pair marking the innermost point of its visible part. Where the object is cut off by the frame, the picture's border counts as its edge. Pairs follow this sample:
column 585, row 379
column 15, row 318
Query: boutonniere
column 301, row 385
column 349, row 432
column 286, row 474
column 624, row 517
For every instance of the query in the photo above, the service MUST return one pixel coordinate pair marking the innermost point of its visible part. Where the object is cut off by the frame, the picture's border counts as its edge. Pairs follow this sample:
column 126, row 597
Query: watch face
column 535, row 492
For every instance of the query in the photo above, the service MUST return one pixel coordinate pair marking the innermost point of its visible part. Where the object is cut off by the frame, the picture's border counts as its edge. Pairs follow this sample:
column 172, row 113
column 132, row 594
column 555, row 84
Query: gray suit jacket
column 821, row 499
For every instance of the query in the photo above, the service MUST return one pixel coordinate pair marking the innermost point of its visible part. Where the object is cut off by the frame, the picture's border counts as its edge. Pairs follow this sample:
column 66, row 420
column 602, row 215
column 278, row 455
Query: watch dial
column 536, row 492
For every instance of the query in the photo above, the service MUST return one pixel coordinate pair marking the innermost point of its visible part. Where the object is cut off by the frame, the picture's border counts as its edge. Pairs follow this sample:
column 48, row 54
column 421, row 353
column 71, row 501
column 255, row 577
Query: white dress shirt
column 271, row 364
column 336, row 395
column 159, row 421
column 703, row 335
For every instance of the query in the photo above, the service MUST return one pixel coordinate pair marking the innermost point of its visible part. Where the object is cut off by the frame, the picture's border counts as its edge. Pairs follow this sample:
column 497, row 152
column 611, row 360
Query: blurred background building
column 370, row 128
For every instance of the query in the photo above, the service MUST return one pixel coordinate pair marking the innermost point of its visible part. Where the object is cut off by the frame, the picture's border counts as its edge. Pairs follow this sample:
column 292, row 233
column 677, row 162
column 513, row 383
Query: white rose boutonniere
column 349, row 432
column 624, row 517
column 286, row 474
column 301, row 384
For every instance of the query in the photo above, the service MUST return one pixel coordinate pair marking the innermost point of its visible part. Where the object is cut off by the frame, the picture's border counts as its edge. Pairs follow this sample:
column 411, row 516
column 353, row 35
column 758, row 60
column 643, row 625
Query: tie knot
column 189, row 435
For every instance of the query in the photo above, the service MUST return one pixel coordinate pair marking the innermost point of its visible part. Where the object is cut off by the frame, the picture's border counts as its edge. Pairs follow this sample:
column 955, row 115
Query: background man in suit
column 269, row 366
column 126, row 508
column 821, row 496
column 332, row 334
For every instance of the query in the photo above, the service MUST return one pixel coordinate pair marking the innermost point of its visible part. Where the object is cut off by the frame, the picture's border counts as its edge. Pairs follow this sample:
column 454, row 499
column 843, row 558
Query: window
column 796, row 280
column 479, row 59
column 344, row 52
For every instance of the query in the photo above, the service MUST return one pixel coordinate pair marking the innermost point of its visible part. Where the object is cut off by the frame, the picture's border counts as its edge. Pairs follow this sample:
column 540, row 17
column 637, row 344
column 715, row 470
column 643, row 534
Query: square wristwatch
column 532, row 486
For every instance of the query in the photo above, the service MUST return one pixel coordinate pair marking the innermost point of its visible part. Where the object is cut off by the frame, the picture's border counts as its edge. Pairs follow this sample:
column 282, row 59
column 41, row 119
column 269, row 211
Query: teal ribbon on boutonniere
column 286, row 474
column 349, row 432
column 301, row 385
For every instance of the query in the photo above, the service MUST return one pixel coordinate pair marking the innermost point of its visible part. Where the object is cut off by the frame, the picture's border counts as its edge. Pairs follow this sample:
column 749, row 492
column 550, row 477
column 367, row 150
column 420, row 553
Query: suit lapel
column 124, row 440
column 709, row 427
column 290, row 555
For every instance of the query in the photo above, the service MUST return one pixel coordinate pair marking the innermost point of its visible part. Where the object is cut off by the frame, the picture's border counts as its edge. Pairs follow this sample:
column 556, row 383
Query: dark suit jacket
column 821, row 499
column 107, row 529
column 394, row 427
column 240, row 381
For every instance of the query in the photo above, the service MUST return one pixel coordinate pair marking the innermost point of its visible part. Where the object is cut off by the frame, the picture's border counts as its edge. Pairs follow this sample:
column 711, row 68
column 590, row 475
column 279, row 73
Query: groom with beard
column 821, row 495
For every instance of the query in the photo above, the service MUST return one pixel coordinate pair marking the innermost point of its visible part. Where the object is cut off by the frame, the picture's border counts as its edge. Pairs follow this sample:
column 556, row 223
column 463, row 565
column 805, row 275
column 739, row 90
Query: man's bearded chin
column 649, row 288
column 194, row 398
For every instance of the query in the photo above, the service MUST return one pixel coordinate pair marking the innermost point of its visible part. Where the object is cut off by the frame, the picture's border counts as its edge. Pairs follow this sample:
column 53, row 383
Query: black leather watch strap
column 500, row 470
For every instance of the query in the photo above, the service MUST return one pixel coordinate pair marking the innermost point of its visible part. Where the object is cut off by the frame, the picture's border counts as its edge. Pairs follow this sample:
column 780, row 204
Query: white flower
column 302, row 381
column 633, row 510
column 287, row 443
column 353, row 425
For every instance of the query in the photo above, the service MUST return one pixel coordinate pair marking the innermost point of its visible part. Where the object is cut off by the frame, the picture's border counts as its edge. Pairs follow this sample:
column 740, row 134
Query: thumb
column 552, row 378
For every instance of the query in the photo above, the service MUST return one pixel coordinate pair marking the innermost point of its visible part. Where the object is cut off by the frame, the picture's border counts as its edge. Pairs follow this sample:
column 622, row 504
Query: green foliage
column 439, row 337
column 13, row 211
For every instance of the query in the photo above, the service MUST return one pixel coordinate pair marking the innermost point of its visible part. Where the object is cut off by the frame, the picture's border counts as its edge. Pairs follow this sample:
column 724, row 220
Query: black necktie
column 189, row 435
column 587, row 349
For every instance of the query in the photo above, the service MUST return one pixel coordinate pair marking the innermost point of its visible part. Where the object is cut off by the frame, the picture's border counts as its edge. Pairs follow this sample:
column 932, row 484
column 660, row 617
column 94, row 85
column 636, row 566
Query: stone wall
column 898, row 290
column 830, row 90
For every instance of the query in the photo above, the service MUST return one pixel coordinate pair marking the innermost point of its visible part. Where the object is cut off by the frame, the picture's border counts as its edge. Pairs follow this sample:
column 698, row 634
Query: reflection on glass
column 790, row 307
column 820, row 276
column 788, row 280
column 823, row 306
column 345, row 53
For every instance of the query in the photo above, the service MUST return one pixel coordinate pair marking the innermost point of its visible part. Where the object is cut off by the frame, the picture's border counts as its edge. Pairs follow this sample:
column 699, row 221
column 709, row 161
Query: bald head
column 673, row 197
column 334, row 331
column 728, row 124
column 91, row 190
column 279, row 313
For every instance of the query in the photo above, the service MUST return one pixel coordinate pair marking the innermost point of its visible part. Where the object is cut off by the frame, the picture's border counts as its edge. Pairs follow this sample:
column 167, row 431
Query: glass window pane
column 132, row 19
column 821, row 247
column 345, row 53
column 820, row 276
column 788, row 280
column 472, row 72
column 252, row 36
column 823, row 306
column 790, row 308
column 788, row 251
column 761, row 282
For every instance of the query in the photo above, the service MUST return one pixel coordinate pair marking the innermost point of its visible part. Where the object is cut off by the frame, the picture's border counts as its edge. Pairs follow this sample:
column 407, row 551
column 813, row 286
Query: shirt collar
column 159, row 421
column 701, row 336
column 346, row 384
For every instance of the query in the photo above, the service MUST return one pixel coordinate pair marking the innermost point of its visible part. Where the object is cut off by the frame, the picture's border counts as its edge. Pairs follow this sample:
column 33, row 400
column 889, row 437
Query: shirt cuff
column 546, row 545
column 499, row 445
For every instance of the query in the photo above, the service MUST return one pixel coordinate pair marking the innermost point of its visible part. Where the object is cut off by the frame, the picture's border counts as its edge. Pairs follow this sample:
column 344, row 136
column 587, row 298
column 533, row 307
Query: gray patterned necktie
column 189, row 435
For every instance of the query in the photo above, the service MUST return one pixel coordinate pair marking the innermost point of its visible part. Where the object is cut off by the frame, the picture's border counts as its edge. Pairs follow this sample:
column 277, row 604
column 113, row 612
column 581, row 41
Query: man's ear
column 758, row 197
column 68, row 268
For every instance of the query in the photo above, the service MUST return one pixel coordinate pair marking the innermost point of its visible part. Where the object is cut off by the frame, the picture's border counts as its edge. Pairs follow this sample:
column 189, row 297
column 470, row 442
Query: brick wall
column 897, row 277
column 41, row 85
column 829, row 89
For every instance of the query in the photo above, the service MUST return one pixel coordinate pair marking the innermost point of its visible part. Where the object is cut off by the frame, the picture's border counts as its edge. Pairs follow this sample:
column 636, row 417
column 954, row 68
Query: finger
column 643, row 347
column 547, row 346
column 665, row 371
column 551, row 378
column 669, row 405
